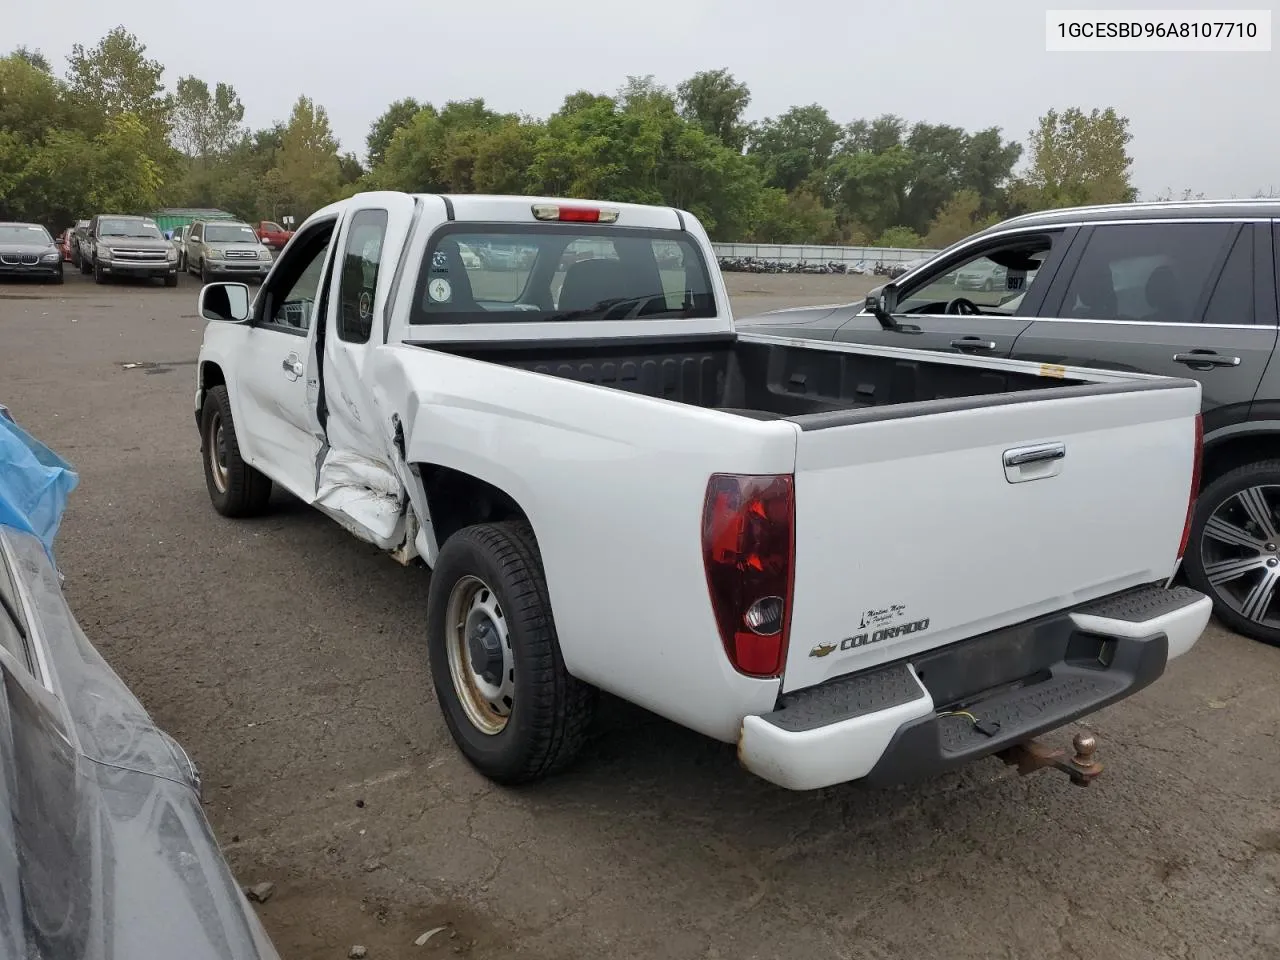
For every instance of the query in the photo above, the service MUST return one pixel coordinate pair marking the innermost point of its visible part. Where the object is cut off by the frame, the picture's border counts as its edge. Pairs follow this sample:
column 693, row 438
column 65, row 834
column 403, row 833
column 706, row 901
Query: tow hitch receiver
column 1032, row 755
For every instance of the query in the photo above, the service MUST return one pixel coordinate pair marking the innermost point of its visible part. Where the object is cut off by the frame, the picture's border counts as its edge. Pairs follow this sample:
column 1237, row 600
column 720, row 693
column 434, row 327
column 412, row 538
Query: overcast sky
column 1199, row 120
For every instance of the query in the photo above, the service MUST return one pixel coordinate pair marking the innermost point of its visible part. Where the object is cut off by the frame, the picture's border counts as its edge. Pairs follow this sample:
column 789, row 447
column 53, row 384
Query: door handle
column 1039, row 462
column 973, row 343
column 1021, row 456
column 1206, row 358
column 292, row 365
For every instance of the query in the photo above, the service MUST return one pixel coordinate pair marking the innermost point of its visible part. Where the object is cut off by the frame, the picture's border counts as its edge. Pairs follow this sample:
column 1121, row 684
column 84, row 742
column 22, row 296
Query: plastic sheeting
column 34, row 483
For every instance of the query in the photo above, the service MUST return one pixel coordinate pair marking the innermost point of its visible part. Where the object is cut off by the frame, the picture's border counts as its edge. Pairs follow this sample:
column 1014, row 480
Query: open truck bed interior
column 812, row 385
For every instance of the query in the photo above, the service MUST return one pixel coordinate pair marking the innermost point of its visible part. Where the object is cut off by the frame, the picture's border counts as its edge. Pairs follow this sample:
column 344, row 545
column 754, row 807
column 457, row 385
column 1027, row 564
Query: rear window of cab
column 486, row 273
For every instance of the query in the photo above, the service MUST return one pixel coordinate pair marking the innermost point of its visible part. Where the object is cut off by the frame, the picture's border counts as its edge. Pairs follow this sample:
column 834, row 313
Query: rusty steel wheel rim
column 481, row 662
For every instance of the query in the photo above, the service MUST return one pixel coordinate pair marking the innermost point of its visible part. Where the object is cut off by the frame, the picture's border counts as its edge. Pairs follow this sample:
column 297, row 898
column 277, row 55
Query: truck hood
column 135, row 243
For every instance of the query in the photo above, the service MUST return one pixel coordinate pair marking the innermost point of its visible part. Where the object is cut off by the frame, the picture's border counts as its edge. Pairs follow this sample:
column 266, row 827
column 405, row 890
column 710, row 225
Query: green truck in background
column 171, row 218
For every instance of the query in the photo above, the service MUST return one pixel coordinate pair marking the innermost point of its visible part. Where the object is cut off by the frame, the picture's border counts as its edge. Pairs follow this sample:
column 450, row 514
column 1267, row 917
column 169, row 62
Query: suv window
column 360, row 262
column 197, row 230
column 1152, row 272
column 994, row 281
column 1232, row 297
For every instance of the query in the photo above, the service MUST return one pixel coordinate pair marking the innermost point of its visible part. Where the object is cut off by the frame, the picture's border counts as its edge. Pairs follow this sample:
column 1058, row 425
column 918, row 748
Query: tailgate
column 912, row 531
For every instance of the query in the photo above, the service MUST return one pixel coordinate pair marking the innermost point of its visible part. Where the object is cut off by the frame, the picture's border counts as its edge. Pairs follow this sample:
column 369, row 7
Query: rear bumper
column 901, row 722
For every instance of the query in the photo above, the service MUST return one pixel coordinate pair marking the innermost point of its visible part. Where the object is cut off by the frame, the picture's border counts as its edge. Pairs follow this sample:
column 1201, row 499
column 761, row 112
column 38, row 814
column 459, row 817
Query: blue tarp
column 34, row 483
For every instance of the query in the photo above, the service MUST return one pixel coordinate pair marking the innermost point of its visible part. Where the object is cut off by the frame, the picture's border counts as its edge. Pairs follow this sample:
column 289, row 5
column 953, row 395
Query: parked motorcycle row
column 760, row 265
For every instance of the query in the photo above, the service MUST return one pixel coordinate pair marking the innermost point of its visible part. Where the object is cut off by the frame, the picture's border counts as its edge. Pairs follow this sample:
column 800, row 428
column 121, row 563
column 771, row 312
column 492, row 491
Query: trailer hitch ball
column 1033, row 755
column 1086, row 767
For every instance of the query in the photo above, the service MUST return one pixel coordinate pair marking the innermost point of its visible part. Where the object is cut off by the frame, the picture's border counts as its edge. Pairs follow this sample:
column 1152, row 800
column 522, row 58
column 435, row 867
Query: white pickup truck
column 851, row 561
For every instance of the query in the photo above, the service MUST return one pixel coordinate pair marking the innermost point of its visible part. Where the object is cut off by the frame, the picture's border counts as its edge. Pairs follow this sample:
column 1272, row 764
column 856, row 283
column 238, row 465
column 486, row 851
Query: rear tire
column 235, row 488
column 1222, row 499
column 494, row 571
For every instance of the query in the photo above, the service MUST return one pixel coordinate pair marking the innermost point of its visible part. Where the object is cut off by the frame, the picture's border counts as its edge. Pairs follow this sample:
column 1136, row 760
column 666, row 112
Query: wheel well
column 1225, row 455
column 458, row 500
column 211, row 375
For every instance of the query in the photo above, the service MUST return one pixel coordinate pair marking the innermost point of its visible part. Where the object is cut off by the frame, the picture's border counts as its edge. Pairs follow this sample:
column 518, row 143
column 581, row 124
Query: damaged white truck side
column 853, row 562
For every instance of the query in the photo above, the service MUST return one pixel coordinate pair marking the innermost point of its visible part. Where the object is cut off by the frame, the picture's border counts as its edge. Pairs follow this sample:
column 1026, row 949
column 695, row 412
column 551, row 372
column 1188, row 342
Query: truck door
column 276, row 394
column 358, row 481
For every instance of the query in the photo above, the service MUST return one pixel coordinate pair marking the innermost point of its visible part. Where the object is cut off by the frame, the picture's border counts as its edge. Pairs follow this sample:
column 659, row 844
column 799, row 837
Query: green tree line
column 107, row 135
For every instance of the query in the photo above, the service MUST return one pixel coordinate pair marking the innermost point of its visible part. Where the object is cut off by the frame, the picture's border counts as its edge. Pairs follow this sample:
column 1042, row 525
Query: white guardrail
column 813, row 253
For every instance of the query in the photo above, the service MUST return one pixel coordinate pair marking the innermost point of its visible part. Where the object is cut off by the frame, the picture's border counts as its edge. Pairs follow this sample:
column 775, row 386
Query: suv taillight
column 1195, row 485
column 748, row 548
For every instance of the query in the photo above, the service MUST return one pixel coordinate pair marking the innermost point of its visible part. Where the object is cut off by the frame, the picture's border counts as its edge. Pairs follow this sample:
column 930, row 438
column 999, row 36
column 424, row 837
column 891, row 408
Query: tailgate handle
column 1025, row 456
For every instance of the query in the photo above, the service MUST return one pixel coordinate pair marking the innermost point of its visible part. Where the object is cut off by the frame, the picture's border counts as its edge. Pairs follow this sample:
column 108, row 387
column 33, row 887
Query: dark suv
column 1175, row 289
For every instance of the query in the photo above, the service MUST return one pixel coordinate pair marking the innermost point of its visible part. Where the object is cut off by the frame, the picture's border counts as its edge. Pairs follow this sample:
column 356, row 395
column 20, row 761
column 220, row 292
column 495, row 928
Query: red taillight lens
column 579, row 215
column 748, row 548
column 1195, row 485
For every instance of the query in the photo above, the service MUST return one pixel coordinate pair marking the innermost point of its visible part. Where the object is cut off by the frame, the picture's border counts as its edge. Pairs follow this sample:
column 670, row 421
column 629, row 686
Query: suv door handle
column 973, row 343
column 292, row 365
column 1206, row 358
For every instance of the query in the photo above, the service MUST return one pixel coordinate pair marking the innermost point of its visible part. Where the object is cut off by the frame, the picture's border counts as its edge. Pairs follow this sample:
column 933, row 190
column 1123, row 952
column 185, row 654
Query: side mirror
column 880, row 303
column 228, row 302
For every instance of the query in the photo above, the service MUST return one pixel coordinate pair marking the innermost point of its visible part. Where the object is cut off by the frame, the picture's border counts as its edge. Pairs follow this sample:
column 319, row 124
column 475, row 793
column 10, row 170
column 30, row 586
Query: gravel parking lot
column 288, row 658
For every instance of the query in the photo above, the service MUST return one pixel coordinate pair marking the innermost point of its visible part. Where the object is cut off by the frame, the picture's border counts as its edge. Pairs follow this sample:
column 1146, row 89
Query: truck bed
column 753, row 377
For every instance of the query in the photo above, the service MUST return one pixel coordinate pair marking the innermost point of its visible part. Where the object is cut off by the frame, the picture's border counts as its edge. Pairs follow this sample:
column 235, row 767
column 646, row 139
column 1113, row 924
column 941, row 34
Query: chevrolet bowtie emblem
column 822, row 649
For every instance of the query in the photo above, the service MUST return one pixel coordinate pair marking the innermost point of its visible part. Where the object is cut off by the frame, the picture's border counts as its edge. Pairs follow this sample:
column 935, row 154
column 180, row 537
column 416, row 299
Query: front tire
column 513, row 709
column 84, row 266
column 98, row 275
column 171, row 280
column 1234, row 551
column 235, row 488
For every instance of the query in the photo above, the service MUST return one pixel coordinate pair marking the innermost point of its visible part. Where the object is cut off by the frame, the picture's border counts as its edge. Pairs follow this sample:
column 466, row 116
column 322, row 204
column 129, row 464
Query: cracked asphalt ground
column 289, row 659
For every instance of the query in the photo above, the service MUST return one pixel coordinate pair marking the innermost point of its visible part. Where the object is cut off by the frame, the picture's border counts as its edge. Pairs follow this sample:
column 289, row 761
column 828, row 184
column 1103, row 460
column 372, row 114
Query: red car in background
column 271, row 234
column 64, row 244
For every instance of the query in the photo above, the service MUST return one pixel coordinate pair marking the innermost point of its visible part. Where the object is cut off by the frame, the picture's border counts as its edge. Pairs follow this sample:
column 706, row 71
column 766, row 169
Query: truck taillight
column 1195, row 485
column 748, row 549
column 555, row 211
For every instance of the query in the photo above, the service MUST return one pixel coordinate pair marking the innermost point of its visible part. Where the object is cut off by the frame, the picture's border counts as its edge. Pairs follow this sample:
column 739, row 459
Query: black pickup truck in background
column 127, row 246
column 1176, row 289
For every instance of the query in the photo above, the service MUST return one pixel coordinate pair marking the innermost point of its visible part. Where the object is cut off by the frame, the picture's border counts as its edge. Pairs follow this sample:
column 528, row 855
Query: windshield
column 128, row 228
column 229, row 233
column 24, row 233
column 551, row 272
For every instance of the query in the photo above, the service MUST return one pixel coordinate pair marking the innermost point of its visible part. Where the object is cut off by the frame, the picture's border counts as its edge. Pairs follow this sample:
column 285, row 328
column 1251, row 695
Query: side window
column 1232, row 298
column 996, row 281
column 197, row 230
column 360, row 260
column 1152, row 272
column 294, row 310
